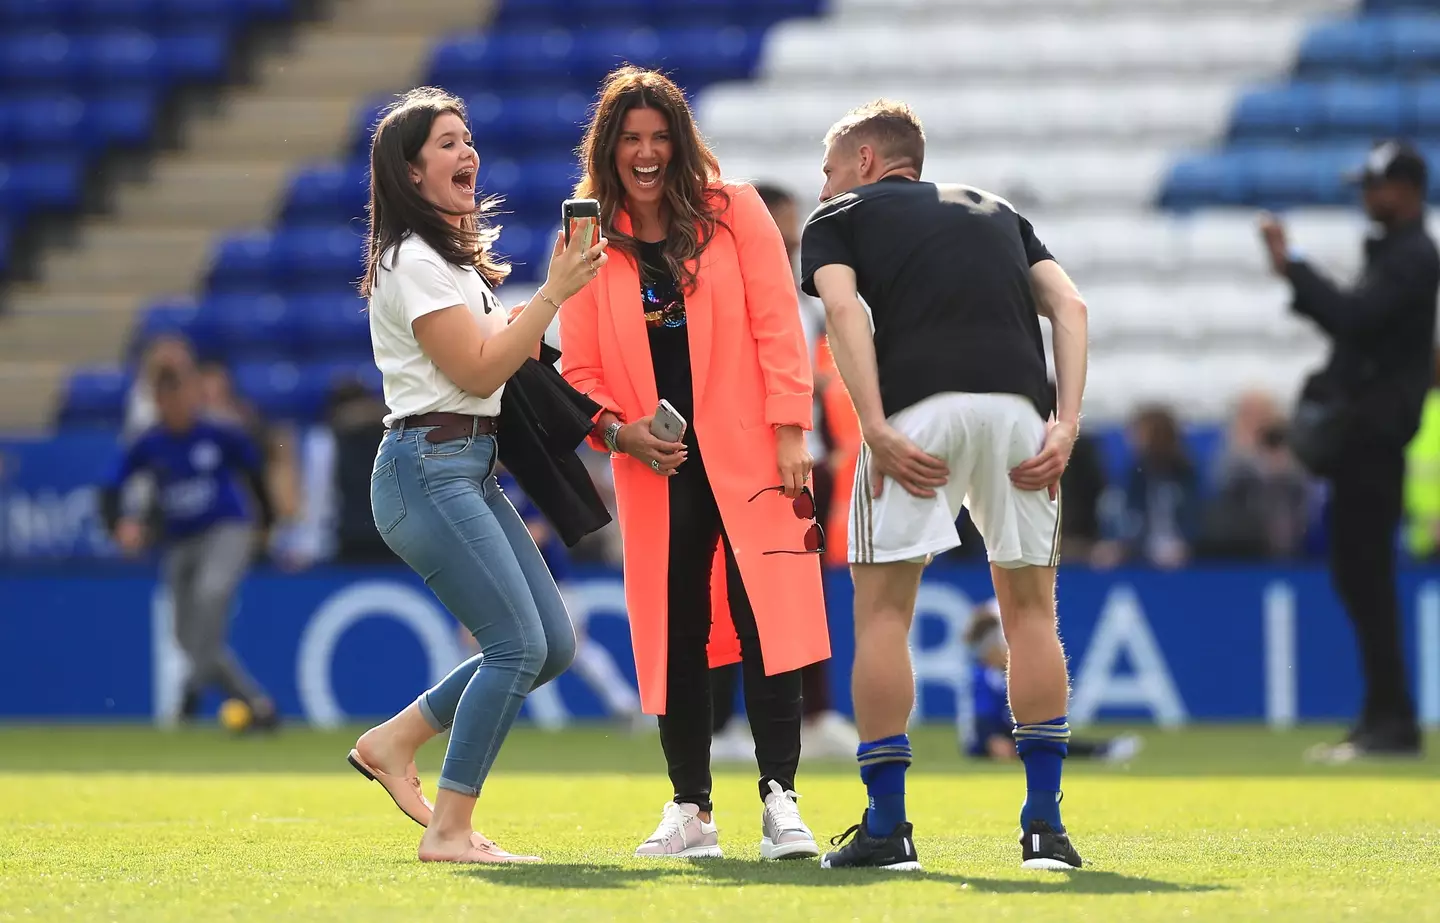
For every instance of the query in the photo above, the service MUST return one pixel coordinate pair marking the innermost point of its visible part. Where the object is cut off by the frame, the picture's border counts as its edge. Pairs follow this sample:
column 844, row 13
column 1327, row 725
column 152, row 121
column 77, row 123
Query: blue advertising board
column 1234, row 644
column 49, row 507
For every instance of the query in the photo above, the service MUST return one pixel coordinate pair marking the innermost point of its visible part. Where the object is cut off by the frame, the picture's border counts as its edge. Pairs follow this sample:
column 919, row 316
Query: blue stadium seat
column 1399, row 44
column 95, row 397
column 533, row 190
column 292, row 259
column 1364, row 109
column 63, row 14
column 28, row 186
column 274, row 388
column 1281, row 177
column 1264, row 176
column 1289, row 111
column 1196, row 182
column 1345, row 47
column 36, row 122
column 518, row 123
column 1414, row 43
column 243, row 262
column 527, row 248
column 525, row 121
column 1402, row 6
column 652, row 12
column 328, row 192
column 114, row 60
column 1425, row 111
column 557, row 57
column 297, row 390
column 330, row 327
column 319, row 378
column 320, row 258
column 251, row 326
column 1335, row 110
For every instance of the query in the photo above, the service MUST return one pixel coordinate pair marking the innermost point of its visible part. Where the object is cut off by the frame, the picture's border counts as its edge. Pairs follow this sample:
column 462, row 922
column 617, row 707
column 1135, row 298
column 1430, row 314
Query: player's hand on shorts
column 1042, row 472
column 636, row 440
column 895, row 456
column 793, row 459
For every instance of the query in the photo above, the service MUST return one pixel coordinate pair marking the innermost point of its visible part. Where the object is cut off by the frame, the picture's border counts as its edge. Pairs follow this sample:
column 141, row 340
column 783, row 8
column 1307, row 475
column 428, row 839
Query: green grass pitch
column 124, row 823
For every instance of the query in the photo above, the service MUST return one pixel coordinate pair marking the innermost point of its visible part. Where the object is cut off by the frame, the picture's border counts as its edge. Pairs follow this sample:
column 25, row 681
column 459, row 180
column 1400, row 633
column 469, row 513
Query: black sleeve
column 1035, row 251
column 1385, row 289
column 825, row 240
column 130, row 462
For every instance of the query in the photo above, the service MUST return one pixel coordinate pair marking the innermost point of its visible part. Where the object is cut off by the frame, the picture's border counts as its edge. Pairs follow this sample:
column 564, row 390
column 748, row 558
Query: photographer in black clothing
column 1357, row 414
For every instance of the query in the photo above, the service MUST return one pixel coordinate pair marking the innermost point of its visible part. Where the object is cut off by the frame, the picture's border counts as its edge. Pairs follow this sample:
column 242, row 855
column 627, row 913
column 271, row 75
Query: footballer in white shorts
column 981, row 437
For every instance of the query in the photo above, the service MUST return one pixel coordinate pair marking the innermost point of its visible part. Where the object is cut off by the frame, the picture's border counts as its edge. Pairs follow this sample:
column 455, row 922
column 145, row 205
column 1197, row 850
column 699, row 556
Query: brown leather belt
column 449, row 425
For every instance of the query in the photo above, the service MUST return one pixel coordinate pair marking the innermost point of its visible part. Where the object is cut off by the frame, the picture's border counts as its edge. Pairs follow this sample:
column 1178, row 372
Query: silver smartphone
column 667, row 423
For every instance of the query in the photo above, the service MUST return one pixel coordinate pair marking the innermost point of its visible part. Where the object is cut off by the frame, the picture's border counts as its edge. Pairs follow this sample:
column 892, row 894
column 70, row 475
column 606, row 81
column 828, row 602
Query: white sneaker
column 784, row 834
column 682, row 835
column 829, row 736
column 733, row 744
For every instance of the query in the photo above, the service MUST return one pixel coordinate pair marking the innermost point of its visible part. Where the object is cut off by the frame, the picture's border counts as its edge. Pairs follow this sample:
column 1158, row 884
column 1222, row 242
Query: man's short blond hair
column 888, row 125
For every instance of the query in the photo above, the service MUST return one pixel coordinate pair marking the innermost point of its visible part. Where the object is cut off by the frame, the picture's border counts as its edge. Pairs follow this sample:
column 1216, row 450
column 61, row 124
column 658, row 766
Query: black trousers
column 814, row 686
column 1365, row 508
column 771, row 702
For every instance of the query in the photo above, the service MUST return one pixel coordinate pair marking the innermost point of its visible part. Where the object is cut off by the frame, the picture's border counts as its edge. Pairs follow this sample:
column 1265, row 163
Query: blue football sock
column 882, row 768
column 1042, row 748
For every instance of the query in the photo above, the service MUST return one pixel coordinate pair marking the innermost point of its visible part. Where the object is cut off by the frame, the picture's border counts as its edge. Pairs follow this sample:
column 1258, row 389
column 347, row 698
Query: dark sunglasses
column 804, row 507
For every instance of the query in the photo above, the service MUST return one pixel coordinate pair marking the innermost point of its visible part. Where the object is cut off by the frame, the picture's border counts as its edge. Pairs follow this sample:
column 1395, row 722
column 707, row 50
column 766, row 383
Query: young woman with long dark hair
column 445, row 351
column 700, row 310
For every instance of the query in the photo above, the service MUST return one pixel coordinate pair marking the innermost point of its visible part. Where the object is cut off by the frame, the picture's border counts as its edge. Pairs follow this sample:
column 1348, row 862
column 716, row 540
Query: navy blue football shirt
column 196, row 473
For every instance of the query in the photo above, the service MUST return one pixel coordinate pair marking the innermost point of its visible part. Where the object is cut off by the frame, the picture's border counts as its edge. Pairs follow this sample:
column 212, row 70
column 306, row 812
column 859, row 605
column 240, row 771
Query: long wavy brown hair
column 694, row 198
column 396, row 207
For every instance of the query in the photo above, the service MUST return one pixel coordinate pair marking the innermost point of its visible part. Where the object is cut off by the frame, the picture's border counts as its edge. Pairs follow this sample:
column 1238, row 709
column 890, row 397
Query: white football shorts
column 981, row 437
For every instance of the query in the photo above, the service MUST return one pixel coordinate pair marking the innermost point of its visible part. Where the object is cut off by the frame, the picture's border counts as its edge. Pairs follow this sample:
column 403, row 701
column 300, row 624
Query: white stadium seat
column 1143, row 45
column 1074, row 110
column 1057, row 178
column 934, row 10
column 1017, row 111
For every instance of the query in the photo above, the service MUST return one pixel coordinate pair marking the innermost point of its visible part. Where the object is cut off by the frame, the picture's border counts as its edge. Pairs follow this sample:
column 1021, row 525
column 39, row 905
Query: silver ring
column 656, row 465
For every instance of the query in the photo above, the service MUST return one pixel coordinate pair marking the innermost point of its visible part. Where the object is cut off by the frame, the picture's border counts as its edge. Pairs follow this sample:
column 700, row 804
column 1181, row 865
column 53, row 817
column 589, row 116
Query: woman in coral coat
column 697, row 306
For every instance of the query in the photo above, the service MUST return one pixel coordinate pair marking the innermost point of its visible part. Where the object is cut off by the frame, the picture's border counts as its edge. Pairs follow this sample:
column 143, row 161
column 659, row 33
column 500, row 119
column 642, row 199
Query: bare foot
column 395, row 771
column 472, row 849
column 381, row 752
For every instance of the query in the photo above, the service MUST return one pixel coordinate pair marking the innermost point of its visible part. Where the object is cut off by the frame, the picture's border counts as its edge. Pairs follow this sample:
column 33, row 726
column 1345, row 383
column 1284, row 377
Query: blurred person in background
column 337, row 456
column 164, row 351
column 200, row 468
column 445, row 348
column 1357, row 414
column 991, row 734
column 1083, row 484
column 1422, row 480
column 824, row 732
column 720, row 339
column 1261, row 506
column 1155, row 512
column 277, row 439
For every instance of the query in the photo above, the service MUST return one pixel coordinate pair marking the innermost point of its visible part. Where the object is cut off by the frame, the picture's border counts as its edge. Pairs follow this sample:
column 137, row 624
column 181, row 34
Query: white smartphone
column 667, row 423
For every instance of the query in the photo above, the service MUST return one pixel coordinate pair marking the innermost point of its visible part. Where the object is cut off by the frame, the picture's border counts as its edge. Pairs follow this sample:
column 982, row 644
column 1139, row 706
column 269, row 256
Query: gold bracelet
column 540, row 293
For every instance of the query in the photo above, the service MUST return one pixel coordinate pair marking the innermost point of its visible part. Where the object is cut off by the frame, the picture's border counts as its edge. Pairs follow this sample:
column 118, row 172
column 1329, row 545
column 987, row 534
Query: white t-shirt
column 412, row 281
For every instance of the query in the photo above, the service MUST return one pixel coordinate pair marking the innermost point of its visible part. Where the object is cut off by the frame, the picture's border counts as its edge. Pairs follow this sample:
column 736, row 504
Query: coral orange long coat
column 751, row 374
